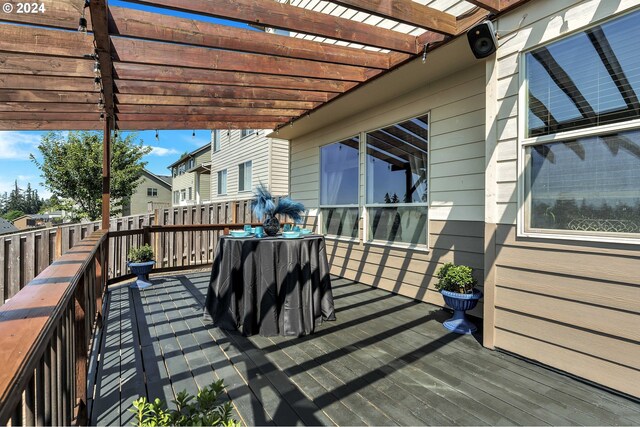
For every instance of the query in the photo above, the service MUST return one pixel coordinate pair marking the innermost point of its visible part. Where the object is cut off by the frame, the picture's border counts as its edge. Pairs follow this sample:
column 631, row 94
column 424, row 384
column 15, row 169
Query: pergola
column 142, row 70
column 165, row 72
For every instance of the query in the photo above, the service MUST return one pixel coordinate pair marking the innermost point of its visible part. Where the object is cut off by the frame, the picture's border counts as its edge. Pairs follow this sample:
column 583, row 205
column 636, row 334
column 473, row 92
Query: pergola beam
column 51, row 107
column 292, row 18
column 197, row 119
column 15, row 63
column 99, row 14
column 152, row 100
column 58, row 13
column 195, row 110
column 54, row 125
column 147, row 52
column 54, row 96
column 46, row 42
column 157, row 27
column 202, row 125
column 215, row 91
column 160, row 73
column 407, row 12
column 28, row 82
column 492, row 6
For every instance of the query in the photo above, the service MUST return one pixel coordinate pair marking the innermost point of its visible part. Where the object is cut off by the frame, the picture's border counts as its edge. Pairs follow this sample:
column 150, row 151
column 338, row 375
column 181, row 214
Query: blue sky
column 15, row 147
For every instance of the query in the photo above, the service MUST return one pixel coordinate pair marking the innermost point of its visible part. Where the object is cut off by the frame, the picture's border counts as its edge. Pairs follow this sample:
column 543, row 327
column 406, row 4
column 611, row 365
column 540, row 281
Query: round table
column 270, row 286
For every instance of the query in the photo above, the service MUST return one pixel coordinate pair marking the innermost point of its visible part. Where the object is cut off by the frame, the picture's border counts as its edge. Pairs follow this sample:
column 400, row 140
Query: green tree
column 13, row 214
column 72, row 170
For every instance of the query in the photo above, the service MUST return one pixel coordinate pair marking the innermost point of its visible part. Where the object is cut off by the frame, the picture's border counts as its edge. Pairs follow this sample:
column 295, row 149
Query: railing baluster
column 39, row 393
column 29, row 403
column 16, row 416
column 47, row 383
column 80, row 351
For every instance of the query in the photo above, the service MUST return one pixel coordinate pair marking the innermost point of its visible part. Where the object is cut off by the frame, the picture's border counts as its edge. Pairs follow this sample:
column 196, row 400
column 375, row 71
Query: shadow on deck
column 387, row 360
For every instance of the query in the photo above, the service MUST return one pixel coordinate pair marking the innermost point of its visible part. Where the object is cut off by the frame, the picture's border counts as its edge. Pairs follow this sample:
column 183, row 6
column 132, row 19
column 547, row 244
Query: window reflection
column 339, row 173
column 586, row 184
column 588, row 79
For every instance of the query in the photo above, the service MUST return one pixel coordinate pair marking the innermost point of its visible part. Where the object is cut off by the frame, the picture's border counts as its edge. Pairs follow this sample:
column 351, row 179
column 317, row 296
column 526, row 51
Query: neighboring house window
column 174, row 171
column 581, row 144
column 183, row 195
column 222, row 182
column 176, row 197
column 244, row 176
column 190, row 194
column 216, row 140
column 246, row 132
column 339, row 183
column 397, row 182
column 152, row 192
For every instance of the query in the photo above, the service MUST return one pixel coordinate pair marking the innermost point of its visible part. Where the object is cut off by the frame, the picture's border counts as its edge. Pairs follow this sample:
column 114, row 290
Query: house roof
column 7, row 227
column 189, row 155
column 163, row 180
column 32, row 216
column 159, row 71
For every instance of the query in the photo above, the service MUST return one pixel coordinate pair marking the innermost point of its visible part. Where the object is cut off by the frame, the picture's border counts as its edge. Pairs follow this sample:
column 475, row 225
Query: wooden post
column 106, row 174
column 58, row 251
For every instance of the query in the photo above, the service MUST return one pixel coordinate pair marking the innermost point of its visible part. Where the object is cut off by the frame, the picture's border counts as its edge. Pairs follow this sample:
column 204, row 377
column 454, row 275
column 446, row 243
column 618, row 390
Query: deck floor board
column 385, row 361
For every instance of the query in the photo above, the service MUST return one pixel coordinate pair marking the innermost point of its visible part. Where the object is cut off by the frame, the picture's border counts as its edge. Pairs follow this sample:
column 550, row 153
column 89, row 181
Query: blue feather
column 262, row 204
column 288, row 207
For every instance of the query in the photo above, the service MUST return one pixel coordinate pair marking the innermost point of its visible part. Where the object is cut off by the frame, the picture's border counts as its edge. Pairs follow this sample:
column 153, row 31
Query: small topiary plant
column 142, row 254
column 455, row 278
column 201, row 410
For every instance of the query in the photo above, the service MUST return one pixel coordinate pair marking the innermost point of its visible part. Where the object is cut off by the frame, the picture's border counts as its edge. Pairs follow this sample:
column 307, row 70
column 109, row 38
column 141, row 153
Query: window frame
column 524, row 141
column 153, row 191
column 218, row 187
column 216, row 144
column 244, row 177
column 366, row 206
column 357, row 205
column 243, row 135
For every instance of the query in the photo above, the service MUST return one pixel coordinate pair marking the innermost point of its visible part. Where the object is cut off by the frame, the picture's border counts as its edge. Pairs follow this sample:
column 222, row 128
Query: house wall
column 188, row 179
column 456, row 210
column 573, row 305
column 269, row 163
column 139, row 200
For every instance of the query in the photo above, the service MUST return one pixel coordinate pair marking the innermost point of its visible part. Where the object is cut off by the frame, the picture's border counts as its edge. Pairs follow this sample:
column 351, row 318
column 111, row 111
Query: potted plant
column 141, row 263
column 457, row 286
column 265, row 207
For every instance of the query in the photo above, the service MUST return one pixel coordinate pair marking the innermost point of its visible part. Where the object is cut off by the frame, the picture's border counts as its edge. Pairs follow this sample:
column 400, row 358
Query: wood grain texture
column 287, row 17
column 153, row 26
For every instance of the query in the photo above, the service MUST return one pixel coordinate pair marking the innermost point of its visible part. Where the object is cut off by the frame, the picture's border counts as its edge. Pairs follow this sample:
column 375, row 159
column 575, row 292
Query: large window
column 397, row 182
column 585, row 182
column 339, row 184
column 222, row 182
column 152, row 192
column 244, row 176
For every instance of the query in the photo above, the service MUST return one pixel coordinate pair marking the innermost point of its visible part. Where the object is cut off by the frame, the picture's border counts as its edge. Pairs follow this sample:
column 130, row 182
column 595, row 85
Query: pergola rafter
column 159, row 71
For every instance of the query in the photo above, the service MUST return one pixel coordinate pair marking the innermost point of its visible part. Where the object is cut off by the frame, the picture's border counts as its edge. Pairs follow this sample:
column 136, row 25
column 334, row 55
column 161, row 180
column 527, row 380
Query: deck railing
column 46, row 331
column 25, row 255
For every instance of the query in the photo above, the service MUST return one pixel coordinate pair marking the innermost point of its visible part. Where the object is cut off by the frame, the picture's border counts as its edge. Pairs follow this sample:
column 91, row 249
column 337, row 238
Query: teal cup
column 259, row 231
column 296, row 228
column 286, row 227
column 247, row 228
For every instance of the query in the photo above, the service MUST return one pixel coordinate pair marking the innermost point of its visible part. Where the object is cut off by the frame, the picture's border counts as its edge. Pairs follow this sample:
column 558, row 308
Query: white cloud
column 18, row 145
column 161, row 151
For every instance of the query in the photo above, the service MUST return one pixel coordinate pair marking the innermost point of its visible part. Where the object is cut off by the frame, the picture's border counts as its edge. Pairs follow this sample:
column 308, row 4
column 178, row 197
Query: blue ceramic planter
column 461, row 303
column 142, row 270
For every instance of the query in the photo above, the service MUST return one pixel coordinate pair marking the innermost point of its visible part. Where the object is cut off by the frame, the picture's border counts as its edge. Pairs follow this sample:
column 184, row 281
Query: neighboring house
column 241, row 159
column 191, row 175
column 28, row 221
column 7, row 227
column 152, row 192
column 524, row 166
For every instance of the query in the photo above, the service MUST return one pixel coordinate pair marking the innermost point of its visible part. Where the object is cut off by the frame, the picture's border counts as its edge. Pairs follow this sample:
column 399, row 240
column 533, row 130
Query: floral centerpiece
column 266, row 208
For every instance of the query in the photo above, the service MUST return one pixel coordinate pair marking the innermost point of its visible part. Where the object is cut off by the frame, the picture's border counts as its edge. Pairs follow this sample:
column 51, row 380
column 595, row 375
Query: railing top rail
column 177, row 227
column 29, row 318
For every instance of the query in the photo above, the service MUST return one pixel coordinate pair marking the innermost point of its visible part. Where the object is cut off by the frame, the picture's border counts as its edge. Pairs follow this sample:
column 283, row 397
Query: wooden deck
column 387, row 360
